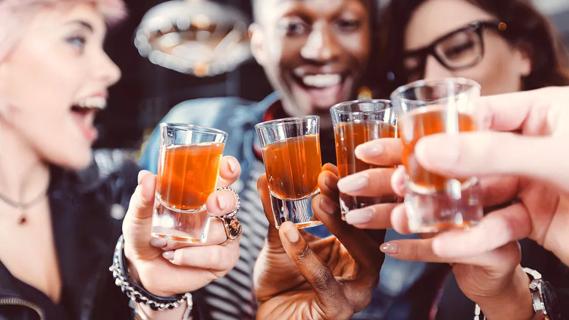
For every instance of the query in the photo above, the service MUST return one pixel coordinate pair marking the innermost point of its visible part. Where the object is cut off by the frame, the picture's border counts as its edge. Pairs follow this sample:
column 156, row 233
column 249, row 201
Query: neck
column 23, row 175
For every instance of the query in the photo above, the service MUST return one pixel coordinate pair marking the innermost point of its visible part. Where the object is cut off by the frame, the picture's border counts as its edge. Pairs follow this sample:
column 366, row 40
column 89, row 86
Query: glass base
column 439, row 211
column 180, row 226
column 297, row 211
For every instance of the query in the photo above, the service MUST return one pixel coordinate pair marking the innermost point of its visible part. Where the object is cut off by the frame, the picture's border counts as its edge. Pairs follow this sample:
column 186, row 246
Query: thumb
column 494, row 153
column 137, row 224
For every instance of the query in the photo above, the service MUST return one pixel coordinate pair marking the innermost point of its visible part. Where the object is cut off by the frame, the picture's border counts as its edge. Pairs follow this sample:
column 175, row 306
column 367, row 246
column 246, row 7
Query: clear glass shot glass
column 434, row 202
column 291, row 153
column 188, row 168
column 356, row 122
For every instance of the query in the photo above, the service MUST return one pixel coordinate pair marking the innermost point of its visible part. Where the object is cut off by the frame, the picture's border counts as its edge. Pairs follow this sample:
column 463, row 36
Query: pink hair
column 15, row 14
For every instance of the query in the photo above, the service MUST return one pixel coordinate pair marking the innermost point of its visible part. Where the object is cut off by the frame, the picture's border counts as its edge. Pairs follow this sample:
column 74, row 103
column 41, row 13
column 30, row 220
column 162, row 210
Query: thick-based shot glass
column 357, row 122
column 187, row 174
column 291, row 153
column 434, row 202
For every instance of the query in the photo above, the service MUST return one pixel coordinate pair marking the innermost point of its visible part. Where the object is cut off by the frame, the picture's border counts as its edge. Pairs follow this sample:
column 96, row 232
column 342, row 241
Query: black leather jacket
column 87, row 210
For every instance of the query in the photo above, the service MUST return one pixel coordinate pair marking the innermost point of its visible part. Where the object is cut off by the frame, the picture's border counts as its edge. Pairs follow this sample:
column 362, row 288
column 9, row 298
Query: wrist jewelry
column 137, row 293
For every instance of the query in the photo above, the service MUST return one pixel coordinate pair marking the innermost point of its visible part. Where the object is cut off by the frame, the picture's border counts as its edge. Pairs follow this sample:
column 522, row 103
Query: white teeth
column 93, row 102
column 321, row 80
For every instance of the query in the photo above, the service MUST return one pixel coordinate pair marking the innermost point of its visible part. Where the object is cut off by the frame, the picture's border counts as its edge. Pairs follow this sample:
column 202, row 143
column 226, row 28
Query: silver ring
column 230, row 222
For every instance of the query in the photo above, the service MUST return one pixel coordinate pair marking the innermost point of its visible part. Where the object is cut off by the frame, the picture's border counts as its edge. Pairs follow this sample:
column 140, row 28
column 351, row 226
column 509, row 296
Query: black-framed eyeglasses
column 459, row 49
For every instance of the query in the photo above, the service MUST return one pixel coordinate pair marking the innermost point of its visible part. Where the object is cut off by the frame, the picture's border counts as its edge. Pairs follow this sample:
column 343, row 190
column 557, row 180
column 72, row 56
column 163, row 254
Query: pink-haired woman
column 59, row 215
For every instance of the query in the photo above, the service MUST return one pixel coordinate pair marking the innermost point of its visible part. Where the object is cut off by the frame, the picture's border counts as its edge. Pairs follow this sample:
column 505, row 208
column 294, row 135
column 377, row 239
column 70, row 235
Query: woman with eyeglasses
column 506, row 46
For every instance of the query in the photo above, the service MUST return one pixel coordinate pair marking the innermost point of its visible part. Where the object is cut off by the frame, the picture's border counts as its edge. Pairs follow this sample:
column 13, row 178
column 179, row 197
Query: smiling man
column 315, row 54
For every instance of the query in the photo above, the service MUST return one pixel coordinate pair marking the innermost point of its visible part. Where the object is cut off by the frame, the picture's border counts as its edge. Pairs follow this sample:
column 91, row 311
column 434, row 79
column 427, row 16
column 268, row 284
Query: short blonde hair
column 15, row 14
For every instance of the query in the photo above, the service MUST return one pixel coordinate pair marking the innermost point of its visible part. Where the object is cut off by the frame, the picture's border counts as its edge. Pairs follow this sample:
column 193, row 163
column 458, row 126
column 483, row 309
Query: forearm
column 515, row 303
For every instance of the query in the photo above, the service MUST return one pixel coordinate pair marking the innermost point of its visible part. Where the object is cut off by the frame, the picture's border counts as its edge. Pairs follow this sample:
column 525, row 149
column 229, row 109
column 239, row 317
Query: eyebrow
column 84, row 24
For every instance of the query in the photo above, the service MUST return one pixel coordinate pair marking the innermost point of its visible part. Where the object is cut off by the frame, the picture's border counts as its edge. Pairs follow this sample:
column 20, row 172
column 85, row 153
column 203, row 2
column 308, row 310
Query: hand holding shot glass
column 188, row 170
column 434, row 202
column 291, row 153
column 357, row 122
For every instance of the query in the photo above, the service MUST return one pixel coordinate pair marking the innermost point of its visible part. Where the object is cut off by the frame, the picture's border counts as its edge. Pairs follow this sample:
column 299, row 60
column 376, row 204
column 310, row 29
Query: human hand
column 524, row 160
column 298, row 275
column 167, row 268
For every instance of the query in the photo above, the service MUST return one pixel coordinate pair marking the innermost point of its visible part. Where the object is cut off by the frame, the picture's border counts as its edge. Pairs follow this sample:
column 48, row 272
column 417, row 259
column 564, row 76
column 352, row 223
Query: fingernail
column 292, row 235
column 330, row 183
column 370, row 149
column 168, row 255
column 353, row 183
column 389, row 248
column 232, row 165
column 221, row 204
column 327, row 205
column 442, row 151
column 359, row 216
column 158, row 242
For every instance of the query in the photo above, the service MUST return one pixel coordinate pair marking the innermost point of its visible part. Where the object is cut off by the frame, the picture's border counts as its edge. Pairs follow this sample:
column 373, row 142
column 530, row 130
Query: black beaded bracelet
column 137, row 293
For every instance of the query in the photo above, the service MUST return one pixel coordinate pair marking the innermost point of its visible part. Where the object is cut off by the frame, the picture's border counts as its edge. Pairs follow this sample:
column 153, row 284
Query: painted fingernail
column 353, row 183
column 389, row 248
column 359, row 216
column 327, row 205
column 292, row 235
column 168, row 255
column 371, row 149
column 232, row 165
column 158, row 242
column 221, row 203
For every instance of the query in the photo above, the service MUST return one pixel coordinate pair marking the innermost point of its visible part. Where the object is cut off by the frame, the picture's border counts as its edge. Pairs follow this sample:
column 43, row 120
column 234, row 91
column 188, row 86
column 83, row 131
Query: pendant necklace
column 22, row 206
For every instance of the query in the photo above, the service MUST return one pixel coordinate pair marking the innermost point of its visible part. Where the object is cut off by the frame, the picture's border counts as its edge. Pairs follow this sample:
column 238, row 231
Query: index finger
column 380, row 152
column 229, row 171
column 510, row 112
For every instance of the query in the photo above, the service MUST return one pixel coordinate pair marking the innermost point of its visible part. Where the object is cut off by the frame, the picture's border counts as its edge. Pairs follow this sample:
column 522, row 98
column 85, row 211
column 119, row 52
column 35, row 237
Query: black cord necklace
column 23, row 206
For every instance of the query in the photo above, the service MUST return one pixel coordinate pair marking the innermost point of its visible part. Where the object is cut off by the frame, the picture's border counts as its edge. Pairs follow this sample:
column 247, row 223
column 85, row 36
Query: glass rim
column 337, row 108
column 397, row 94
column 288, row 120
column 189, row 126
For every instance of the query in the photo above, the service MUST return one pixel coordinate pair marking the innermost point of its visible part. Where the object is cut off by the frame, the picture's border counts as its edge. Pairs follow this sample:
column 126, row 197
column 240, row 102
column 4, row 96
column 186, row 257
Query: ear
column 257, row 41
column 523, row 56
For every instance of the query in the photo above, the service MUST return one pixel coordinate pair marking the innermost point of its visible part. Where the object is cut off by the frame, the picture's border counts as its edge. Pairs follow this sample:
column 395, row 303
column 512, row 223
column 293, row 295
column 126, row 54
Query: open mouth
column 83, row 112
column 321, row 89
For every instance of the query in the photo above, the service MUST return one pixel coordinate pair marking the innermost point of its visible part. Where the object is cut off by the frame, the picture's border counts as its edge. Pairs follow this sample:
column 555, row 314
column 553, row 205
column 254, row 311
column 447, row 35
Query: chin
column 77, row 161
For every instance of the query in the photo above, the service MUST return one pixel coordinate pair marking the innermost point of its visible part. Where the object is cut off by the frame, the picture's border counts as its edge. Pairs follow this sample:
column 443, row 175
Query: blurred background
column 171, row 51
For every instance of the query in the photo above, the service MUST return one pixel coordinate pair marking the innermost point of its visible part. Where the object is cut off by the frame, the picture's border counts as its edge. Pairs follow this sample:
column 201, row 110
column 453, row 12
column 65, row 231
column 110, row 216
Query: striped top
column 232, row 296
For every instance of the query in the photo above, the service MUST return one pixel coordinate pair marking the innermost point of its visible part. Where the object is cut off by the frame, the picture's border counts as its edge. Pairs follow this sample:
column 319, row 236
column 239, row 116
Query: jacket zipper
column 22, row 303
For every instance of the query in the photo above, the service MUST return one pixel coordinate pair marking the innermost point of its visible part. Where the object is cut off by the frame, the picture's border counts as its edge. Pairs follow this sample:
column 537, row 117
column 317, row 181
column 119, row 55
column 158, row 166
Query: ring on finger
column 230, row 223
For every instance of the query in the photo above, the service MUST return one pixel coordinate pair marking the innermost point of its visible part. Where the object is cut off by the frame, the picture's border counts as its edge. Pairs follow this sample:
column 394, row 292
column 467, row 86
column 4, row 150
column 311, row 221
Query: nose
column 107, row 71
column 321, row 45
column 435, row 70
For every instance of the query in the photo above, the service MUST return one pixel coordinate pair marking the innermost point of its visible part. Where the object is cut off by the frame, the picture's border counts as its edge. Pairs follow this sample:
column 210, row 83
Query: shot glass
column 357, row 122
column 187, row 174
column 434, row 202
column 291, row 153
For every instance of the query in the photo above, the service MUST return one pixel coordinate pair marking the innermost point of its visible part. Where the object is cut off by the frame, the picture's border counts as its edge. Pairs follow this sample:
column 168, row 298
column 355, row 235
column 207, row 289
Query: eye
column 348, row 25
column 455, row 52
column 77, row 42
column 294, row 27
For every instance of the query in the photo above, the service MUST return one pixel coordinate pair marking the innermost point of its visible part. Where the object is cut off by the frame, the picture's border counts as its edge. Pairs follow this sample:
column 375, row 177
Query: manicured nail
column 232, row 165
column 221, row 203
column 369, row 150
column 389, row 248
column 442, row 151
column 327, row 205
column 158, row 242
column 168, row 255
column 359, row 216
column 353, row 183
column 292, row 235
